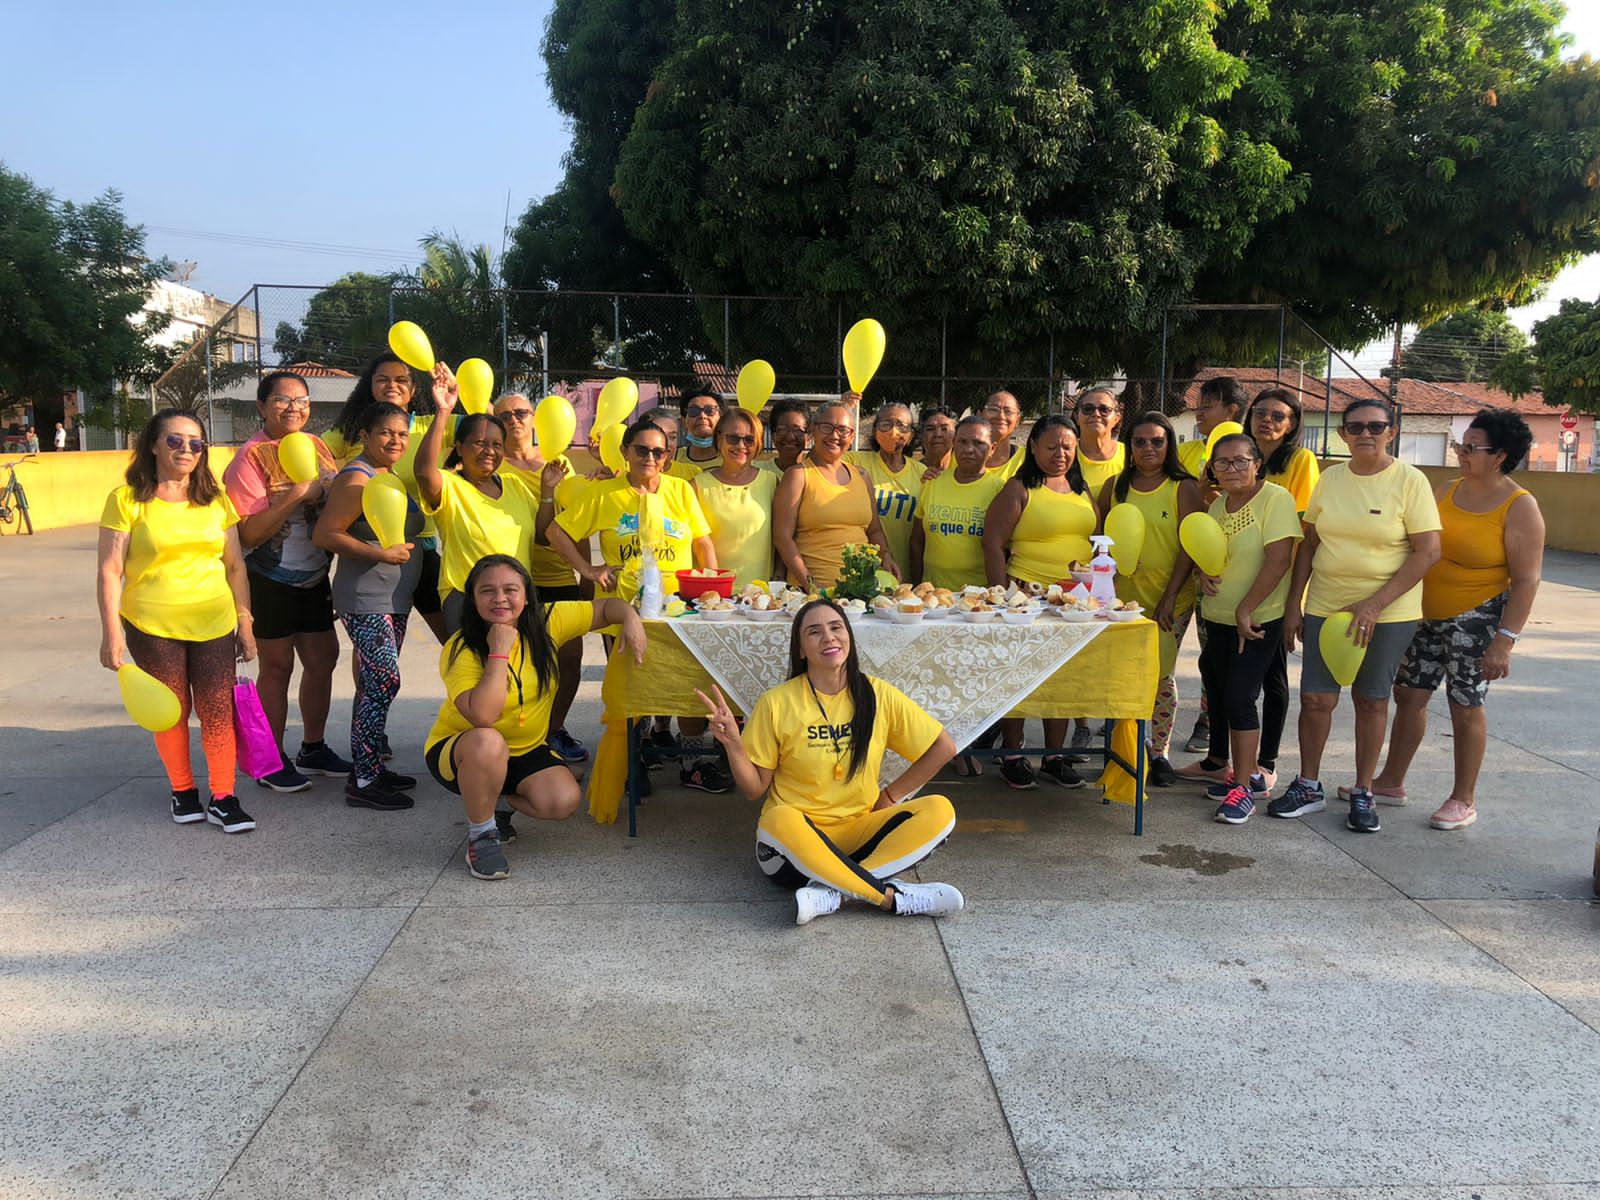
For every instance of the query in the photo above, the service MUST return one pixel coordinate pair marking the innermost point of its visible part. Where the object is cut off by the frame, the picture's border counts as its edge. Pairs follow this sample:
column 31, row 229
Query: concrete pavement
column 332, row 1006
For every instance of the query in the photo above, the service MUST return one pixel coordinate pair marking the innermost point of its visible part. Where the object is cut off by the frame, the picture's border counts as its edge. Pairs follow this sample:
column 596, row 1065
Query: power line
column 269, row 243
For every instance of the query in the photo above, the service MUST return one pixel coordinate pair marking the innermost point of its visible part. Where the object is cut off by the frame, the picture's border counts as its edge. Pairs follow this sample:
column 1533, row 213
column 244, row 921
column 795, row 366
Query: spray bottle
column 1102, row 572
column 650, row 597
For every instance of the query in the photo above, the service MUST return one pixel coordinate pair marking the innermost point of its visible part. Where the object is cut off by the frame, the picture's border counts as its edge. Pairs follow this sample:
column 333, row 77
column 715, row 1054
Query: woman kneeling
column 500, row 676
column 813, row 747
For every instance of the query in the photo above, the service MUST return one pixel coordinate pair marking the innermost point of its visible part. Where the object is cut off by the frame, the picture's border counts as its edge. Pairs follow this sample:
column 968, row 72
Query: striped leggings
column 377, row 638
column 857, row 857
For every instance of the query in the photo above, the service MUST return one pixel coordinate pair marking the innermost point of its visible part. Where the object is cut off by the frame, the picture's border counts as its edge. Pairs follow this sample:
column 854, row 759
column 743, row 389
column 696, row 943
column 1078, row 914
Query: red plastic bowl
column 691, row 585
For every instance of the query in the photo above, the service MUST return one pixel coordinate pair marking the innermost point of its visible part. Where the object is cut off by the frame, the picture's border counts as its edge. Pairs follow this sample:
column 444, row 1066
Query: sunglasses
column 1268, row 416
column 1096, row 410
column 702, row 410
column 175, row 442
column 1157, row 443
column 518, row 414
column 1464, row 448
column 739, row 439
column 1371, row 428
column 654, row 452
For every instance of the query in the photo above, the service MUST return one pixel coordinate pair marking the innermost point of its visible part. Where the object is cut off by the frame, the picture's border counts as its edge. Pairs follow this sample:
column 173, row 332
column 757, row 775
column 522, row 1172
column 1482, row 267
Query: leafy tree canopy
column 73, row 283
column 1072, row 169
column 1567, row 351
column 1465, row 347
column 345, row 324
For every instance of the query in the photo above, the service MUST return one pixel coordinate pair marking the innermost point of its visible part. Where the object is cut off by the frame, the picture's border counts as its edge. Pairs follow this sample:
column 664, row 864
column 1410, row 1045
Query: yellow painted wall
column 70, row 488
column 1567, row 500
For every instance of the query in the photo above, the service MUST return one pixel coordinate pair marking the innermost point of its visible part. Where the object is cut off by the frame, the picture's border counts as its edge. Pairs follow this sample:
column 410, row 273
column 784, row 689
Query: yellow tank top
column 831, row 516
column 1472, row 564
column 895, row 496
column 1096, row 471
column 1149, row 582
column 1051, row 533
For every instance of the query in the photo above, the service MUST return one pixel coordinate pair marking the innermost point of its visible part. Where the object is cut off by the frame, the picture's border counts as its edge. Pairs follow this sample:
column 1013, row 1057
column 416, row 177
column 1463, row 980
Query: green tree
column 1566, row 347
column 345, row 325
column 73, row 284
column 1465, row 347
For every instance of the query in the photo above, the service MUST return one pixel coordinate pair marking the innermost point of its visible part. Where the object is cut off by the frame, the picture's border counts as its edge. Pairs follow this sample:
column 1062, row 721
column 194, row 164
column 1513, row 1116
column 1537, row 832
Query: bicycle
column 13, row 500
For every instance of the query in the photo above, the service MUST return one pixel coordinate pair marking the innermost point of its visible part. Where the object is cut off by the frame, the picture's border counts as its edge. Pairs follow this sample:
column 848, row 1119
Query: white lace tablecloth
column 965, row 675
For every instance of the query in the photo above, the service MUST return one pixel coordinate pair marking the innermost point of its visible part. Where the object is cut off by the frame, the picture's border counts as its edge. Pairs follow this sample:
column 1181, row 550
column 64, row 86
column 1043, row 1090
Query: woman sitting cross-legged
column 500, row 679
column 813, row 747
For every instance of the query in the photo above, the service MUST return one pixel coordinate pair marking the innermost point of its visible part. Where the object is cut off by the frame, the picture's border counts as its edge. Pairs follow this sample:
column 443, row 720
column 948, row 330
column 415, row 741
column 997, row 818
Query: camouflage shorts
column 1453, row 649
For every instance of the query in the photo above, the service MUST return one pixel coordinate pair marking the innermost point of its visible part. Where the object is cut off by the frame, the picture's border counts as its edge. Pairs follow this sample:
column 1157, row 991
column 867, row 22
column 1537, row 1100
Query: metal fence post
column 1050, row 375
column 255, row 304
column 727, row 334
column 616, row 328
column 944, row 356
column 1282, row 317
column 838, row 348
column 391, row 303
column 505, row 338
column 1161, row 371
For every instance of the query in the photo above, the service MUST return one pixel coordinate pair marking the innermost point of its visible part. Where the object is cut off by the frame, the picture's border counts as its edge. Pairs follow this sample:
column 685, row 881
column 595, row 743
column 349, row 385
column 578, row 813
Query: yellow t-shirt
column 1299, row 478
column 174, row 582
column 1269, row 517
column 681, row 468
column 1096, row 471
column 524, row 720
column 471, row 525
column 1051, row 533
column 740, row 518
column 547, row 567
column 952, row 518
column 1364, row 524
column 895, row 495
column 804, row 739
column 671, row 517
column 1192, row 456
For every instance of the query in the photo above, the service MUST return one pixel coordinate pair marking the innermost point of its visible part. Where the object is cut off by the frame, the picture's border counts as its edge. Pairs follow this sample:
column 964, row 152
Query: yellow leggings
column 858, row 856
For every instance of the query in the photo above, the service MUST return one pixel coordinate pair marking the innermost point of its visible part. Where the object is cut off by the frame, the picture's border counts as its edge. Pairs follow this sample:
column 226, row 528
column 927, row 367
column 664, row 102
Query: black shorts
column 551, row 594
column 281, row 610
column 441, row 758
column 426, row 598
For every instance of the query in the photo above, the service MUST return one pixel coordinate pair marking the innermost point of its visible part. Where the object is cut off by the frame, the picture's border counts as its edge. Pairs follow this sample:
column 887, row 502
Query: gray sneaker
column 1300, row 799
column 1081, row 735
column 485, row 858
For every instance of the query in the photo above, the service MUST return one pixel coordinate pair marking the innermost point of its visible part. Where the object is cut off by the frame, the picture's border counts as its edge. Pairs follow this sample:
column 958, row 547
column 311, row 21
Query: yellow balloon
column 1226, row 429
column 408, row 341
column 1125, row 527
column 554, row 423
column 1204, row 541
column 616, row 403
column 383, row 503
column 1342, row 656
column 475, row 382
column 611, row 447
column 149, row 702
column 863, row 351
column 297, row 454
column 756, row 381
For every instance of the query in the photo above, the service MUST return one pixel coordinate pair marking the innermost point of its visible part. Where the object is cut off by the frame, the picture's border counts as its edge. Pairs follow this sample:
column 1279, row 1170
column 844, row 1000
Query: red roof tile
column 315, row 370
column 1416, row 395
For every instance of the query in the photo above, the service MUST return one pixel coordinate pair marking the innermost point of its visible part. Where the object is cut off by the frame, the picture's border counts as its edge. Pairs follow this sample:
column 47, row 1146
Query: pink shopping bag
column 257, row 749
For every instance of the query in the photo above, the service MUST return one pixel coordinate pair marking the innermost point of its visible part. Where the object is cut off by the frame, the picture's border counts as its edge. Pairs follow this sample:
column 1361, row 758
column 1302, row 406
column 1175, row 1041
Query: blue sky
column 294, row 142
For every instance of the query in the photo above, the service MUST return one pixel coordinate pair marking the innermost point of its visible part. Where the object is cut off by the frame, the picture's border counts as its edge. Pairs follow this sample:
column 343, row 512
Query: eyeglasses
column 702, row 410
column 1467, row 449
column 1370, row 428
column 991, row 410
column 1271, row 416
column 739, row 439
column 518, row 414
column 1096, row 410
column 175, row 442
column 1157, row 443
column 896, row 426
column 290, row 401
column 829, row 428
column 788, row 431
column 1233, row 464
column 654, row 452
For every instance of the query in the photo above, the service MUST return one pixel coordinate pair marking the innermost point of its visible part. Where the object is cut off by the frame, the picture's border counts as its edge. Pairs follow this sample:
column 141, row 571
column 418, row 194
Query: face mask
column 699, row 443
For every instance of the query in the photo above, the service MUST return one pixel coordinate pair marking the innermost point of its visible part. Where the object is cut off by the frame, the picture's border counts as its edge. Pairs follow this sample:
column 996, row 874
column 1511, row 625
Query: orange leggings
column 201, row 675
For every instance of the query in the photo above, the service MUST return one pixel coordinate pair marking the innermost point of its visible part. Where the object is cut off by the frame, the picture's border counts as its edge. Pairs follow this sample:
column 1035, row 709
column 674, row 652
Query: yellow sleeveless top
column 1149, row 582
column 896, row 498
column 831, row 516
column 1051, row 533
column 1472, row 564
column 740, row 516
column 1097, row 470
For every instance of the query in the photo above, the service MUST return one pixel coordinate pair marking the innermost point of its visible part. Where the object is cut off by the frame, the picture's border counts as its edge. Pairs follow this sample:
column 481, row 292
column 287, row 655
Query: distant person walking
column 33, row 440
column 61, row 436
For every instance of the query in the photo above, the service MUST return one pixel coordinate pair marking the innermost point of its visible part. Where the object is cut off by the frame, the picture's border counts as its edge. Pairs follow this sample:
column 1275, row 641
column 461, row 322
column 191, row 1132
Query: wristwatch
column 1506, row 633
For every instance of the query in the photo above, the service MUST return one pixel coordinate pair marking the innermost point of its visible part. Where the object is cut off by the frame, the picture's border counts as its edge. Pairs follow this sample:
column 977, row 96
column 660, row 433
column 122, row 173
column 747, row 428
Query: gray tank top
column 362, row 586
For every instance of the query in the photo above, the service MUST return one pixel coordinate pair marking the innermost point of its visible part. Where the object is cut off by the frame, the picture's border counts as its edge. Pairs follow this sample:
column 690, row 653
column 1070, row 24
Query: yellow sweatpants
column 856, row 857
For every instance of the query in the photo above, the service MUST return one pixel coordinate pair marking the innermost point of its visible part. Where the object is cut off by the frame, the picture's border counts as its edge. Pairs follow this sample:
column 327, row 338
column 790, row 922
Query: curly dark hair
column 1507, row 433
column 348, row 422
column 141, row 473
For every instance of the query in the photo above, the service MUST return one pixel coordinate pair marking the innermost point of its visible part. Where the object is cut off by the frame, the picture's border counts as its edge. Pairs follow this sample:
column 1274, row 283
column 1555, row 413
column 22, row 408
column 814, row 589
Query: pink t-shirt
column 253, row 479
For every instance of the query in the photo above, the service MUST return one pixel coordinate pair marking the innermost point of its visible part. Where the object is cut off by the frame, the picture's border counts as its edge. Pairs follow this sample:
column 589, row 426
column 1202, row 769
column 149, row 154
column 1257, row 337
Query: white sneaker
column 926, row 899
column 813, row 901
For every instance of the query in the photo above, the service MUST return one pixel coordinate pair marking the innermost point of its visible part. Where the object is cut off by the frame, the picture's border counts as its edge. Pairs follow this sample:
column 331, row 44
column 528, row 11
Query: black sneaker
column 1363, row 816
column 375, row 795
column 663, row 744
column 226, row 812
column 319, row 759
column 1301, row 799
column 1055, row 767
column 502, row 824
column 1200, row 739
column 1162, row 772
column 705, row 776
column 285, row 779
column 485, row 859
column 1018, row 772
column 186, row 807
column 395, row 781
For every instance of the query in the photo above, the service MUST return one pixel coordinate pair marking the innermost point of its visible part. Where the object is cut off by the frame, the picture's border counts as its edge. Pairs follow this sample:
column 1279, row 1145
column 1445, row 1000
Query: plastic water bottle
column 650, row 598
column 1102, row 572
